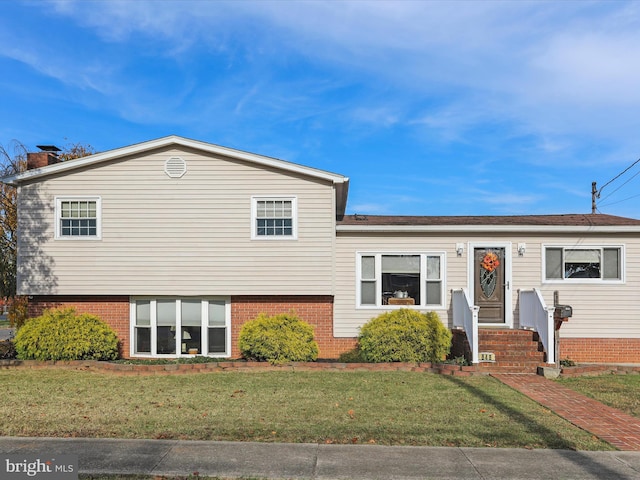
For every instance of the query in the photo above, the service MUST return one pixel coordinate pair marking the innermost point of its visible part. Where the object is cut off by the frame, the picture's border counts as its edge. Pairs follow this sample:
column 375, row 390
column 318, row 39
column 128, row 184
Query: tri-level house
column 176, row 243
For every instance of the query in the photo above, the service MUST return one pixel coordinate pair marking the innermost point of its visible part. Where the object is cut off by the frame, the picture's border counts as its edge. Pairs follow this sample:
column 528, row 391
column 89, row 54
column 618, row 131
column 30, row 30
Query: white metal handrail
column 535, row 314
column 465, row 315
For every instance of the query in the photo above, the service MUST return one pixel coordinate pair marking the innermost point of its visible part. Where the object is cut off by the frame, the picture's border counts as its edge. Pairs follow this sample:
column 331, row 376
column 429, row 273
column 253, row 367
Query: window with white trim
column 587, row 263
column 78, row 218
column 400, row 279
column 274, row 218
column 180, row 327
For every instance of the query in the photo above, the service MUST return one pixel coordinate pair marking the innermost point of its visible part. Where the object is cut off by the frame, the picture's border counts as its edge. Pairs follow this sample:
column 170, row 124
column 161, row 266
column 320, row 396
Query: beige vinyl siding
column 609, row 310
column 347, row 316
column 177, row 236
column 599, row 309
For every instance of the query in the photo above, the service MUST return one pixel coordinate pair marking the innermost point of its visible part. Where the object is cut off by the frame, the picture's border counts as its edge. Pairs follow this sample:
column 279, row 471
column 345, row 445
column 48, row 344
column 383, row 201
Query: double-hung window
column 180, row 326
column 78, row 218
column 400, row 279
column 274, row 218
column 584, row 264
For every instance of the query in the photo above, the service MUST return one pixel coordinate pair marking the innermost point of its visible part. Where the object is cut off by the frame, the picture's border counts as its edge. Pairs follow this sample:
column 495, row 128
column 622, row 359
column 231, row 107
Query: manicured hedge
column 404, row 336
column 64, row 335
column 278, row 339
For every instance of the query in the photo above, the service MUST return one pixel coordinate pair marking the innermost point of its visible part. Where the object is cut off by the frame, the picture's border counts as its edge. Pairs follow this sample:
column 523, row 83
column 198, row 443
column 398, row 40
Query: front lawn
column 388, row 408
column 83, row 476
column 617, row 391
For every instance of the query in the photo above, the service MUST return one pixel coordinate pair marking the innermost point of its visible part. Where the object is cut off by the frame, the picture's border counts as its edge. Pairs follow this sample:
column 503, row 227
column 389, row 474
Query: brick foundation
column 113, row 310
column 617, row 351
column 601, row 350
column 315, row 310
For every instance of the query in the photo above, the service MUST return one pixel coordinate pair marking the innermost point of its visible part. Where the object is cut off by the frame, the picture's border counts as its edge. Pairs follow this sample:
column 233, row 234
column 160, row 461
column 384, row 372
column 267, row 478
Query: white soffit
column 168, row 142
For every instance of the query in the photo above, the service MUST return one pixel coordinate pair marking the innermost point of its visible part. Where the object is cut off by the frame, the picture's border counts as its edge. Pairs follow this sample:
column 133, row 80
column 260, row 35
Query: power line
column 620, row 174
column 595, row 192
column 620, row 201
column 634, row 176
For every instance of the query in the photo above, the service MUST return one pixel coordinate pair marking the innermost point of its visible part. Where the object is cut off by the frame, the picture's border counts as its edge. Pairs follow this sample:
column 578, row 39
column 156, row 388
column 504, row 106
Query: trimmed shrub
column 64, row 335
column 278, row 339
column 404, row 336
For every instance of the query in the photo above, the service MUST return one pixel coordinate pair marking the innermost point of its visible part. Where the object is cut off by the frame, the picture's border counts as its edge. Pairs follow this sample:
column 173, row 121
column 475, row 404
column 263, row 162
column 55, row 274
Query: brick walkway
column 609, row 424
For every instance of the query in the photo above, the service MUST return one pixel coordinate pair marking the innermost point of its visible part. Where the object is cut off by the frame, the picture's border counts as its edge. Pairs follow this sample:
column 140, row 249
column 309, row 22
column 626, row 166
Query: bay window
column 400, row 279
column 182, row 326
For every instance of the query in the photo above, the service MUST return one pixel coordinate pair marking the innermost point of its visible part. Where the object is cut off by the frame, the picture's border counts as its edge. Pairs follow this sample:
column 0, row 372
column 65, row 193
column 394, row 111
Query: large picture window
column 274, row 218
column 78, row 218
column 583, row 263
column 400, row 279
column 180, row 327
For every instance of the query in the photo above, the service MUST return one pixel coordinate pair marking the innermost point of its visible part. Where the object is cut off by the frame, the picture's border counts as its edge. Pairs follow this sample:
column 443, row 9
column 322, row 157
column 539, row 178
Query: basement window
column 177, row 327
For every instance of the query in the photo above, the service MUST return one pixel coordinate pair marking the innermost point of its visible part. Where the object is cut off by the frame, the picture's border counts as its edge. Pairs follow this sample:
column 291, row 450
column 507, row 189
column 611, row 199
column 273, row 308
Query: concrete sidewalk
column 313, row 461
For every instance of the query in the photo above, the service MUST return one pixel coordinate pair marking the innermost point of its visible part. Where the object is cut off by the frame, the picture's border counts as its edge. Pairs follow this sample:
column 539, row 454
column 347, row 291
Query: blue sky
column 431, row 108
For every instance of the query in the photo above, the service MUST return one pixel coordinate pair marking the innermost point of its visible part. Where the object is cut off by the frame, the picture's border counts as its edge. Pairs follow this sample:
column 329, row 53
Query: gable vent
column 175, row 167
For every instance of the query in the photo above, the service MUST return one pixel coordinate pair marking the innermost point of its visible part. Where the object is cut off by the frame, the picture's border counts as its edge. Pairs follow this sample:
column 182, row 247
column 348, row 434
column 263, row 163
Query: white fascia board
column 487, row 229
column 168, row 141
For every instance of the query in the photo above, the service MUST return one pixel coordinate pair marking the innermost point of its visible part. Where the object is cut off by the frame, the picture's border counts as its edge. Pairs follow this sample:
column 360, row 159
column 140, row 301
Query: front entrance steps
column 512, row 351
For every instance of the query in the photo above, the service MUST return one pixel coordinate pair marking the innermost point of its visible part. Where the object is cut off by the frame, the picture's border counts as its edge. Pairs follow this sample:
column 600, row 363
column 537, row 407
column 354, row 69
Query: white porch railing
column 465, row 315
column 535, row 314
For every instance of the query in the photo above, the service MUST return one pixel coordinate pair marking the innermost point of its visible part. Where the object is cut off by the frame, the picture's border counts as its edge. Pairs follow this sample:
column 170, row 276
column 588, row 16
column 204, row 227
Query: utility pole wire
column 595, row 193
column 634, row 176
column 620, row 201
column 618, row 176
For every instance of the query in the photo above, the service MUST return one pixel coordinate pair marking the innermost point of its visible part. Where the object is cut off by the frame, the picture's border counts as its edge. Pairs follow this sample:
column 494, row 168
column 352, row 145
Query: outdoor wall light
column 522, row 248
column 459, row 249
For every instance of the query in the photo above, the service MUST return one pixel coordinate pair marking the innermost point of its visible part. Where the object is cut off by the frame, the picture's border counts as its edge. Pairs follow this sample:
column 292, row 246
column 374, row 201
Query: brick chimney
column 48, row 155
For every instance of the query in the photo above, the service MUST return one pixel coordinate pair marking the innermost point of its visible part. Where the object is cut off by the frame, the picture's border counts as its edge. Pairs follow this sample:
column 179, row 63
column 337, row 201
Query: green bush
column 404, row 336
column 63, row 335
column 278, row 339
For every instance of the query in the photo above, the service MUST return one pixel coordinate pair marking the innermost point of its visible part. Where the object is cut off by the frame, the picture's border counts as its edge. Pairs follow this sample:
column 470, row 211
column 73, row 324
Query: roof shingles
column 578, row 220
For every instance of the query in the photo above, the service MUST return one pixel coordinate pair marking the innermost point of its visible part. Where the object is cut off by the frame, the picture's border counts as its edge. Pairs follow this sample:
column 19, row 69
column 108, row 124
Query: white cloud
column 562, row 76
column 591, row 69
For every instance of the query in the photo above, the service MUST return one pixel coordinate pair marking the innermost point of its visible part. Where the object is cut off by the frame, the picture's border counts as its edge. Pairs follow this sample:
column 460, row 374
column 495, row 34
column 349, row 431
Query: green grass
column 4, row 323
column 387, row 408
column 144, row 477
column 617, row 391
